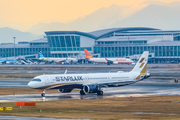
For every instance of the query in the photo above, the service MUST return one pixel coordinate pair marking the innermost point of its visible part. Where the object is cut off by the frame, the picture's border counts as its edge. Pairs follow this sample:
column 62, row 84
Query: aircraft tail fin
column 88, row 55
column 141, row 64
column 41, row 55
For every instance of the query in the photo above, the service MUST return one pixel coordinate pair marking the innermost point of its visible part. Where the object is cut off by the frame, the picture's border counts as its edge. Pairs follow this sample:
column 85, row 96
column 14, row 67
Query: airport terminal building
column 163, row 45
column 27, row 49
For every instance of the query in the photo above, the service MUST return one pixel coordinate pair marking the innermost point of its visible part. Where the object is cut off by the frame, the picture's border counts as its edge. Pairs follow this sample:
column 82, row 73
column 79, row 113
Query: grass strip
column 153, row 108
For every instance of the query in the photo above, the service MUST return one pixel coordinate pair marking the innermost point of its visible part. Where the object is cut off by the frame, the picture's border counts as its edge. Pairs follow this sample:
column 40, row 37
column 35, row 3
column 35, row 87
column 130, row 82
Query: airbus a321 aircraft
column 91, row 83
column 108, row 60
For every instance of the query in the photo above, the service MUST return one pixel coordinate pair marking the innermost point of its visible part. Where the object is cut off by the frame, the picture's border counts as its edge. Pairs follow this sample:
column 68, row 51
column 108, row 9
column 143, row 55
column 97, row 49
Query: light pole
column 128, row 44
column 14, row 46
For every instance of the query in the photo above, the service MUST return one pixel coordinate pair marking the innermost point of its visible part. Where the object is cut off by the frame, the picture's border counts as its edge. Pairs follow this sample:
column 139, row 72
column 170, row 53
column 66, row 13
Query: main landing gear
column 91, row 89
column 100, row 92
column 82, row 92
column 43, row 94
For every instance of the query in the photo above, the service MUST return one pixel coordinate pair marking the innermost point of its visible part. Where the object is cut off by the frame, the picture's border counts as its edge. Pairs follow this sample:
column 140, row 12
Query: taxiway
column 147, row 87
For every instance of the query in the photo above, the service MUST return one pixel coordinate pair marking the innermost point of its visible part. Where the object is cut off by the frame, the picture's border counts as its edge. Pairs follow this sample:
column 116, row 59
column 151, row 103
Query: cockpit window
column 39, row 80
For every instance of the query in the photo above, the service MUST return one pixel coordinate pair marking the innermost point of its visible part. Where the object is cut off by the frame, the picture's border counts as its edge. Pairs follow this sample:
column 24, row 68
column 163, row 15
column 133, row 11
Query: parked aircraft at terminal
column 107, row 60
column 51, row 59
column 91, row 83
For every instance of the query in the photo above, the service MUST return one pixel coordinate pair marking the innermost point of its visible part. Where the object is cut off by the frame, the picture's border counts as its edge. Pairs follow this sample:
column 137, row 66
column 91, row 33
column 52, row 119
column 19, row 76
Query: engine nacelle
column 65, row 90
column 109, row 62
column 90, row 89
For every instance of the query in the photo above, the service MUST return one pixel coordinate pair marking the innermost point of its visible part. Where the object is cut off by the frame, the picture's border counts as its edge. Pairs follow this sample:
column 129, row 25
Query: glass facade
column 121, row 42
column 177, row 38
column 40, row 44
column 65, row 43
column 123, row 51
column 9, row 52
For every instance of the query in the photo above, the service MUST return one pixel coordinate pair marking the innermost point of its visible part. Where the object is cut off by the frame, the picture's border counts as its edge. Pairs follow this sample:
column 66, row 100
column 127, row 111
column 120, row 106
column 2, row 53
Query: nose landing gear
column 43, row 94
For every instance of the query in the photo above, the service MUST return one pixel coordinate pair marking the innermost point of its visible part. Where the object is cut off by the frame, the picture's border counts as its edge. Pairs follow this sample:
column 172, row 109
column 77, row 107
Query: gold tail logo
column 143, row 71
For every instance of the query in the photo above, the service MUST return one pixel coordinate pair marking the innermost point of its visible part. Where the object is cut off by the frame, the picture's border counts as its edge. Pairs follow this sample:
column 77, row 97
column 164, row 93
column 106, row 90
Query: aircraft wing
column 102, row 84
column 109, row 61
column 4, row 62
column 112, row 83
column 67, row 86
column 115, row 83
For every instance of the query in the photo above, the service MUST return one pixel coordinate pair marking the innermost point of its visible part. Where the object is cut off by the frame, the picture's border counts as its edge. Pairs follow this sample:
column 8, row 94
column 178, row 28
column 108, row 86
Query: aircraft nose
column 30, row 85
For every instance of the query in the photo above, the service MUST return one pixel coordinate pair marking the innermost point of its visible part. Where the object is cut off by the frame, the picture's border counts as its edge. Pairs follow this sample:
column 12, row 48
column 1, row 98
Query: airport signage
column 6, row 108
column 25, row 104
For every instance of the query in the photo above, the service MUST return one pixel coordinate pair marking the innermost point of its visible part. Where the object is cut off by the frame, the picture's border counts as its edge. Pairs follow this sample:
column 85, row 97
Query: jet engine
column 65, row 90
column 109, row 62
column 90, row 89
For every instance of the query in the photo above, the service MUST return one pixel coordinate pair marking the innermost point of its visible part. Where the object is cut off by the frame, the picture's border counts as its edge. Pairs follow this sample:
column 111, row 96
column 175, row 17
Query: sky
column 22, row 14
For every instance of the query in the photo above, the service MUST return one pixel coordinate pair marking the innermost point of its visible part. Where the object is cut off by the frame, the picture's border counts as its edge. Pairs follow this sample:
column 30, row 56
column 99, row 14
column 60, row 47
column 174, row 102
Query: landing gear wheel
column 100, row 93
column 82, row 92
column 43, row 94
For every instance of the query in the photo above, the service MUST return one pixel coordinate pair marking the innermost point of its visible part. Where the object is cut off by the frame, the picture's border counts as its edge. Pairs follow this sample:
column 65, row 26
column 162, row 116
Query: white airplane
column 108, row 60
column 91, row 83
column 51, row 59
